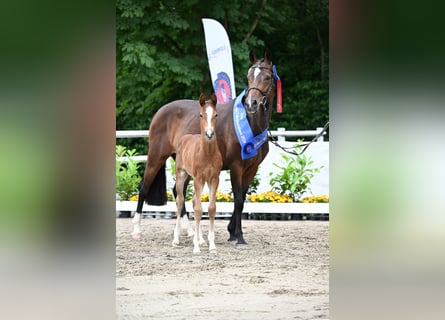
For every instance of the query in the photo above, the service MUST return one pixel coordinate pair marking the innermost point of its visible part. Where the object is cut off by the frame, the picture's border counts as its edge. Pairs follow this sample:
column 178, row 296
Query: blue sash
column 249, row 143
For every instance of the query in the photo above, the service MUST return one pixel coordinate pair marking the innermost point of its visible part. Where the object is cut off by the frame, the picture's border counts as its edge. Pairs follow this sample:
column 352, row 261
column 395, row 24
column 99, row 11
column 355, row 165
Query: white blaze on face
column 256, row 73
column 209, row 113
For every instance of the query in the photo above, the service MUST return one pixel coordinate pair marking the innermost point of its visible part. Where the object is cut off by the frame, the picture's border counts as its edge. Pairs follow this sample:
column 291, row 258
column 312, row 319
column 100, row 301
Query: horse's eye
column 216, row 115
column 200, row 115
column 267, row 78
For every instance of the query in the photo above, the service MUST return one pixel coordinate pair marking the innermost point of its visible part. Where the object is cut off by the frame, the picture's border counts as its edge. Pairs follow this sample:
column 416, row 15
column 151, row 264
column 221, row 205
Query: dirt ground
column 282, row 274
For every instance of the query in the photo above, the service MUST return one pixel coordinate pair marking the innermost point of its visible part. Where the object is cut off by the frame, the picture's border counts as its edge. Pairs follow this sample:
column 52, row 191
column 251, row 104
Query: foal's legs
column 181, row 177
column 213, row 184
column 197, row 208
column 185, row 223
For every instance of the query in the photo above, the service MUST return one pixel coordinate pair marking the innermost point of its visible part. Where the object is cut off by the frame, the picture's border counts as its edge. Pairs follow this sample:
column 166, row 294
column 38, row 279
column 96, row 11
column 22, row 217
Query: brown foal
column 198, row 156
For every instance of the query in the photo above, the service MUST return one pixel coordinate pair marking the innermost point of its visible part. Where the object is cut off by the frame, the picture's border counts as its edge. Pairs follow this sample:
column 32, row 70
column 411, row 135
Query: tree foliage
column 161, row 54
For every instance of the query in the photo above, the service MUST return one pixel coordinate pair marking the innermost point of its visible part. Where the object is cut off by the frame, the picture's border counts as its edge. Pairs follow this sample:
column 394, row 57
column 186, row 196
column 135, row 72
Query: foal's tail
column 157, row 193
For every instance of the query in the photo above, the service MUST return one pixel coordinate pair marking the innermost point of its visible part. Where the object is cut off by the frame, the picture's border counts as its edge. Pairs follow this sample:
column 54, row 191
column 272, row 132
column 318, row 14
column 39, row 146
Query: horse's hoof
column 232, row 239
column 136, row 236
column 191, row 234
column 241, row 243
column 175, row 244
column 196, row 251
column 241, row 246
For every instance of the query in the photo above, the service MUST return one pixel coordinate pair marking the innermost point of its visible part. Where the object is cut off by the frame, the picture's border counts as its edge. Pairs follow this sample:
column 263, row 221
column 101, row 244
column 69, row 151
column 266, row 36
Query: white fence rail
column 281, row 133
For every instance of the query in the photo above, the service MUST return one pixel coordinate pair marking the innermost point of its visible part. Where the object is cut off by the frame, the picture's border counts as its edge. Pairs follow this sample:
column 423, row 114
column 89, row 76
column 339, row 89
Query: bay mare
column 175, row 119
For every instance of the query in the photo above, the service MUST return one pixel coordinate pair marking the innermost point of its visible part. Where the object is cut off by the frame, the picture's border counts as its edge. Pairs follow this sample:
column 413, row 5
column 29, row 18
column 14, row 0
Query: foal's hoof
column 175, row 244
column 190, row 233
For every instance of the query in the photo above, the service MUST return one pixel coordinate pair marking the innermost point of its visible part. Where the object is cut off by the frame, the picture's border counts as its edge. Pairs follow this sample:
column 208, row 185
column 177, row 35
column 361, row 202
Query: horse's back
column 174, row 120
column 175, row 113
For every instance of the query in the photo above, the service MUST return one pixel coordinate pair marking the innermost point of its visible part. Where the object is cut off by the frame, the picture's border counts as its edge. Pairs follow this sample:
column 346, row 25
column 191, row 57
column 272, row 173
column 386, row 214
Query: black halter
column 263, row 102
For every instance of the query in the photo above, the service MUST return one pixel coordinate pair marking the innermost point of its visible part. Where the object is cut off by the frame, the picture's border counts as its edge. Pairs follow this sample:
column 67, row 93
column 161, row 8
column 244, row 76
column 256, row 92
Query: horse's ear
column 214, row 99
column 202, row 99
column 268, row 56
column 252, row 57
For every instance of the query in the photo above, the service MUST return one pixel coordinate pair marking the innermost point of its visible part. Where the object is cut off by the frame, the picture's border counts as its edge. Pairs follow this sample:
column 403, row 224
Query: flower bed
column 263, row 206
column 269, row 196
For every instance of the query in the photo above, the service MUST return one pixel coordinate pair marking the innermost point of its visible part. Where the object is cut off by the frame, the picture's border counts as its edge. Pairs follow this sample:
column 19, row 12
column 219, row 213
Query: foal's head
column 261, row 84
column 208, row 115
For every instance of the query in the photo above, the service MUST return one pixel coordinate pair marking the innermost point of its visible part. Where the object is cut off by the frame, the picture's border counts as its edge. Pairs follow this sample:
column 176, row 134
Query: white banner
column 219, row 54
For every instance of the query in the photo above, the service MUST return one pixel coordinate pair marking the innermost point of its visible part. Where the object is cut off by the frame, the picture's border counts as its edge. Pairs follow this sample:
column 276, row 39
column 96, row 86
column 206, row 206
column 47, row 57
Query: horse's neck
column 208, row 147
column 259, row 124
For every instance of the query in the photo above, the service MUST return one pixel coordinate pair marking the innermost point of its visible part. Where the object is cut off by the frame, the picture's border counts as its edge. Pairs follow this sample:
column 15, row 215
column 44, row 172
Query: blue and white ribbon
column 249, row 143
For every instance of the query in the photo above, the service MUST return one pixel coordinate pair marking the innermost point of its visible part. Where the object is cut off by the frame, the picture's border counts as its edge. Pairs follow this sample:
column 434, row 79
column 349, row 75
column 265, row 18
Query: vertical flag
column 219, row 54
column 279, row 99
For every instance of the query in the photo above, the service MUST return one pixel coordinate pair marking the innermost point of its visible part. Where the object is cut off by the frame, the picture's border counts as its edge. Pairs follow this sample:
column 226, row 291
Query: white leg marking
column 196, row 239
column 201, row 238
column 136, row 225
column 176, row 232
column 212, row 240
column 212, row 212
column 186, row 227
column 211, row 236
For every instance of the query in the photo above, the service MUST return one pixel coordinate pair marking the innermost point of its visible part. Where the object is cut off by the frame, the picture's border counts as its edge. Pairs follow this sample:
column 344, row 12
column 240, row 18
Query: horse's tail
column 157, row 194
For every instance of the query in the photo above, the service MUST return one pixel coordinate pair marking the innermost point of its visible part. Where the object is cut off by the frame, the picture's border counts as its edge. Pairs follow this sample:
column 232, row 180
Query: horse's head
column 261, row 84
column 208, row 115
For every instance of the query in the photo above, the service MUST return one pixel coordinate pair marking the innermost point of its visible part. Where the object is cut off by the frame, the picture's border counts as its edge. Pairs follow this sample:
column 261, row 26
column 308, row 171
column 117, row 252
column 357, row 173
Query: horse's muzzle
column 210, row 134
column 251, row 105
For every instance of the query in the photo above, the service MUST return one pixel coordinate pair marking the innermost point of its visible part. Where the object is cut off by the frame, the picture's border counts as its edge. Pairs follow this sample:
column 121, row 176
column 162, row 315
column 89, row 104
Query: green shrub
column 127, row 176
column 189, row 191
column 294, row 176
column 253, row 187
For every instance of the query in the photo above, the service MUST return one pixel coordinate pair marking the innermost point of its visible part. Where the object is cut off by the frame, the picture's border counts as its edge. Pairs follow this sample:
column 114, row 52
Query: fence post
column 320, row 138
column 281, row 137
